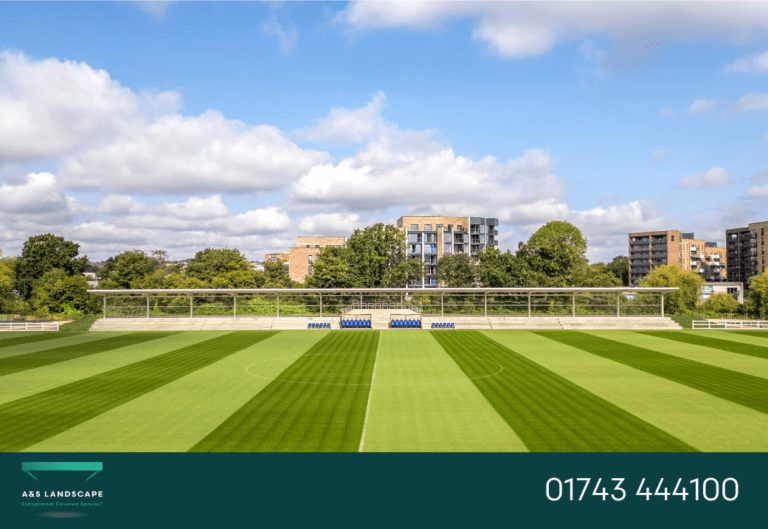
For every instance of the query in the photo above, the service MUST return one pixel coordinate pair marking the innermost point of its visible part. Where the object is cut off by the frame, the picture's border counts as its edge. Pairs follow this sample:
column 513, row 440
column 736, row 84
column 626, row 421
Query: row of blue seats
column 442, row 325
column 356, row 324
column 319, row 326
column 406, row 323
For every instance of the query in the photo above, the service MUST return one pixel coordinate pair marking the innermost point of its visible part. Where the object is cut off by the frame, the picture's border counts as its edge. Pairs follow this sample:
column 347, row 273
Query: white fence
column 30, row 326
column 730, row 324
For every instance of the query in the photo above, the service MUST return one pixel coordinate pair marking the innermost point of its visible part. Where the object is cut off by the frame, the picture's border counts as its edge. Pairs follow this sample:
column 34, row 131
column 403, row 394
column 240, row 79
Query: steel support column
column 442, row 314
column 618, row 310
column 662, row 304
column 574, row 304
column 278, row 304
column 321, row 304
column 105, row 306
column 191, row 296
column 485, row 305
column 147, row 306
column 529, row 304
column 235, row 306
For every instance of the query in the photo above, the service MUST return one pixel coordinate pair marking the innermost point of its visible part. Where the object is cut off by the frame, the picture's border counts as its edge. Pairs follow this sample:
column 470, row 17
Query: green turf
column 423, row 402
column 703, row 421
column 709, row 341
column 64, row 339
column 749, row 365
column 26, row 338
column 548, row 412
column 15, row 364
column 176, row 416
column 316, row 405
column 747, row 390
column 83, row 324
column 13, row 335
column 32, row 419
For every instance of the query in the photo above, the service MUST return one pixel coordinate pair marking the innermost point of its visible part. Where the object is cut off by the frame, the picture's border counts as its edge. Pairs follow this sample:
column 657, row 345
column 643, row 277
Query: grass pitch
column 400, row 390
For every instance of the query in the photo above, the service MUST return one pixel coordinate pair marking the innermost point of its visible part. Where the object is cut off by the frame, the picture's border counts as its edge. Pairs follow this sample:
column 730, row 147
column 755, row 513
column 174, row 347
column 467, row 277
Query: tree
column 721, row 303
column 211, row 262
column 377, row 259
column 7, row 299
column 620, row 268
column 593, row 276
column 688, row 282
column 275, row 275
column 555, row 252
column 456, row 271
column 330, row 270
column 128, row 270
column 58, row 292
column 43, row 253
column 758, row 294
column 502, row 269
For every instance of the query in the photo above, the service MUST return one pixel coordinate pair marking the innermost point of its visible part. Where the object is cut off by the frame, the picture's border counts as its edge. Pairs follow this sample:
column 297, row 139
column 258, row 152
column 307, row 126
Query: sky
column 180, row 126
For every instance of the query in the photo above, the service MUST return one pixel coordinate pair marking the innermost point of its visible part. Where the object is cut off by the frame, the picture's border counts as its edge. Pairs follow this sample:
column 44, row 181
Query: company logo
column 47, row 466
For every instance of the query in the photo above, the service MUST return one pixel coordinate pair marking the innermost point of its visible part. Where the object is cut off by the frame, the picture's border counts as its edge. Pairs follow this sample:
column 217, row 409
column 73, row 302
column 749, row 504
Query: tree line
column 47, row 277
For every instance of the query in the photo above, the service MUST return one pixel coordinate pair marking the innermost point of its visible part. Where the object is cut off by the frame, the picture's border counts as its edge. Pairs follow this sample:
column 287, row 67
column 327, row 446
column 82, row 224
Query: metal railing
column 730, row 324
column 30, row 326
column 374, row 306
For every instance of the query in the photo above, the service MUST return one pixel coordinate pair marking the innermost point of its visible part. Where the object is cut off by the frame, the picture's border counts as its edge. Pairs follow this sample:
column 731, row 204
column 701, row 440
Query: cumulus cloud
column 421, row 174
column 38, row 194
column 48, row 107
column 344, row 125
column 715, row 177
column 752, row 101
column 666, row 113
column 756, row 64
column 332, row 224
column 758, row 191
column 594, row 58
column 659, row 156
column 287, row 37
column 190, row 155
column 701, row 105
column 525, row 29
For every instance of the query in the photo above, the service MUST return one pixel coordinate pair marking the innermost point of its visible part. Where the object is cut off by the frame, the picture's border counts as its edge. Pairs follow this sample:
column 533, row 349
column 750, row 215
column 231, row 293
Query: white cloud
column 595, row 58
column 715, row 177
column 701, row 105
column 38, row 194
column 155, row 8
column 288, row 37
column 753, row 101
column 49, row 107
column 659, row 156
column 343, row 125
column 758, row 191
column 332, row 224
column 191, row 155
column 524, row 29
column 756, row 64
column 119, row 205
column 666, row 113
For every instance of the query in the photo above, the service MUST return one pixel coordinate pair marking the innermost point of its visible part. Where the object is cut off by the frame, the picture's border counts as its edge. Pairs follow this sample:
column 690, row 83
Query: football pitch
column 384, row 391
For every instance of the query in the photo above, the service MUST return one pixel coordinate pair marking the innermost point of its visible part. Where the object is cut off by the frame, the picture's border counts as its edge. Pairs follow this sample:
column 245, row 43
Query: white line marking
column 370, row 393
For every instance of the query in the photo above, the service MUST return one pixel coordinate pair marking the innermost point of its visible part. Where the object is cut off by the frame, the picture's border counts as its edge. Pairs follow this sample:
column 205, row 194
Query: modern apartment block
column 746, row 251
column 428, row 238
column 275, row 257
column 302, row 258
column 653, row 248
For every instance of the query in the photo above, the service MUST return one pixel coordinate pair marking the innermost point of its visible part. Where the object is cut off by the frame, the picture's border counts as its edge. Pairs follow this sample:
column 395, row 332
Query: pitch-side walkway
column 380, row 320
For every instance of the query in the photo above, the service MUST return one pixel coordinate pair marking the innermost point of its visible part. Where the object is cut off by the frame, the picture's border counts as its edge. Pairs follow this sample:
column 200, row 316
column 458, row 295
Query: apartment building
column 746, row 251
column 302, row 258
column 275, row 257
column 428, row 238
column 653, row 248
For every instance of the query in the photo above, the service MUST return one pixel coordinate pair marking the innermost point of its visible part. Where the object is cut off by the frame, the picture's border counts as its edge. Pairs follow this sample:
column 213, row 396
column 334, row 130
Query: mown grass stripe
column 32, row 419
column 747, row 390
column 37, row 337
column 14, row 364
column 709, row 341
column 548, row 412
column 316, row 405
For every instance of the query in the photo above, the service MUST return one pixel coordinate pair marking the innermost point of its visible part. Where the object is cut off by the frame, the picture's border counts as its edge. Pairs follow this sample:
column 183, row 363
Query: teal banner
column 48, row 466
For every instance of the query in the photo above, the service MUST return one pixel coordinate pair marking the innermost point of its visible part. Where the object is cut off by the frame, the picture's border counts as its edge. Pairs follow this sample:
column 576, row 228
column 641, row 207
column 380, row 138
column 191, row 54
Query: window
column 310, row 259
column 414, row 227
column 307, row 246
column 439, row 227
column 317, row 246
column 427, row 227
column 673, row 238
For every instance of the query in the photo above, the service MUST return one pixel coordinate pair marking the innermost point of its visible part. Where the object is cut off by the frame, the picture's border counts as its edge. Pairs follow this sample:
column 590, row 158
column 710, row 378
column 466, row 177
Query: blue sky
column 184, row 125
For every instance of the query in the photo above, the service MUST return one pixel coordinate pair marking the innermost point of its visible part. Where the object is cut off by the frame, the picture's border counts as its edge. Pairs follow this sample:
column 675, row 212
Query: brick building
column 428, row 238
column 653, row 248
column 302, row 258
